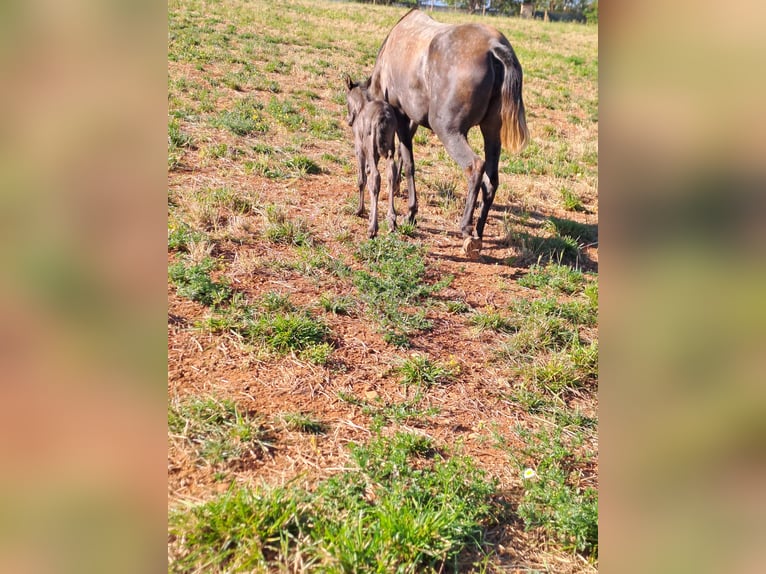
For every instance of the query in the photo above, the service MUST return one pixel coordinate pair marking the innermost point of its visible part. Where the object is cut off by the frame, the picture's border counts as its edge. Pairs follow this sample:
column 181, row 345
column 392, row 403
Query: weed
column 491, row 320
column 217, row 431
column 194, row 282
column 286, row 113
column 245, row 119
column 570, row 200
column 304, row 423
column 418, row 370
column 288, row 332
column 458, row 307
column 341, row 305
column 300, row 165
column 280, row 229
column 181, row 235
column 555, row 277
column 273, row 302
column 573, row 229
column 396, row 279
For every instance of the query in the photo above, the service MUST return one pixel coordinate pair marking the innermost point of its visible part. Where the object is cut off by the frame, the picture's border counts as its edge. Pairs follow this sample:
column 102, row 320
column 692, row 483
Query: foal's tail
column 514, row 134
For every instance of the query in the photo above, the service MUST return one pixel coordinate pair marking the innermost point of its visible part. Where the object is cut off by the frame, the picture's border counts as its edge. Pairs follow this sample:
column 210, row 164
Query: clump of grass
column 304, row 423
column 419, row 370
column 573, row 229
column 339, row 305
column 286, row 112
column 181, row 236
column 246, row 118
column 404, row 507
column 554, row 499
column 288, row 332
column 395, row 280
column 194, row 282
column 457, row 307
column 555, row 277
column 273, row 302
column 280, row 229
column 491, row 320
column 570, row 200
column 217, row 431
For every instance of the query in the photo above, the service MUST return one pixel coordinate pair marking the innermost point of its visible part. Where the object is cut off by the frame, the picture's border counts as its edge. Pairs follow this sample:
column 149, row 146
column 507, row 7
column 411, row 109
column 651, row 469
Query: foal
column 374, row 126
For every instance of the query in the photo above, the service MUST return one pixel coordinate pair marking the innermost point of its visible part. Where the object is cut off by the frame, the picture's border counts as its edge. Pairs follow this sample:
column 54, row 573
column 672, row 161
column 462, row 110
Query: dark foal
column 374, row 126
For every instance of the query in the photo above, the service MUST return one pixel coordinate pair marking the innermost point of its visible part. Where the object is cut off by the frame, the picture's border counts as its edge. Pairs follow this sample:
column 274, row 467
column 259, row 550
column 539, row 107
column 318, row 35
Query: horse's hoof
column 472, row 247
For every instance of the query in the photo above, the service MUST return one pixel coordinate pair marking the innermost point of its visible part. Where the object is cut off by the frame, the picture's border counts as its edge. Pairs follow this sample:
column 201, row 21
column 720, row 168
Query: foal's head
column 356, row 98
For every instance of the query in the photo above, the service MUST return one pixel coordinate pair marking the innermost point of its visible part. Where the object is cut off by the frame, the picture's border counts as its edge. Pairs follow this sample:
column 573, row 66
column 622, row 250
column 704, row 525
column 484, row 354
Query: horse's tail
column 514, row 134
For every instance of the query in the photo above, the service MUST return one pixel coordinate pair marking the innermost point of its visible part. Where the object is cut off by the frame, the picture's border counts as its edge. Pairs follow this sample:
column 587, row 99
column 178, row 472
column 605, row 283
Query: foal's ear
column 349, row 83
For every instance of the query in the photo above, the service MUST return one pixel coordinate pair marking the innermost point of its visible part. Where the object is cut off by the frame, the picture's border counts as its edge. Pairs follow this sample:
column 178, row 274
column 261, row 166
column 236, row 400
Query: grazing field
column 339, row 404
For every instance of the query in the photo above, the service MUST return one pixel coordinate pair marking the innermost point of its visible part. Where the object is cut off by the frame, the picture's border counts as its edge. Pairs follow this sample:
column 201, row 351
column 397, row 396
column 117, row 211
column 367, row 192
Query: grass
column 393, row 281
column 304, row 423
column 556, row 500
column 403, row 507
column 244, row 119
column 491, row 320
column 420, row 371
column 554, row 277
column 280, row 229
column 217, row 431
column 194, row 282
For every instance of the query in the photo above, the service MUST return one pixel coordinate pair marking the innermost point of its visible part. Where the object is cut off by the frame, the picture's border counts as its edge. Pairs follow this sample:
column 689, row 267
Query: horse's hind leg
column 406, row 130
column 491, row 133
column 459, row 150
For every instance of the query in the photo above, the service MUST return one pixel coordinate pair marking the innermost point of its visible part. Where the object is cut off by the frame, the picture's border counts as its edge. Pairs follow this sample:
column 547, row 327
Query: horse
column 374, row 125
column 449, row 78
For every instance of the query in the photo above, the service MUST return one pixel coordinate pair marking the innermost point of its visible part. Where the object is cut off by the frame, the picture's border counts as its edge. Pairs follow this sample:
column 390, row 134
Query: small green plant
column 194, row 282
column 457, row 307
column 286, row 112
column 217, row 431
column 317, row 354
column 492, row 320
column 570, row 200
column 304, row 423
column 418, row 370
column 396, row 279
column 245, row 119
column 340, row 305
column 554, row 276
column 407, row 229
column 181, row 236
column 300, row 165
column 573, row 229
column 273, row 302
column 280, row 229
column 288, row 332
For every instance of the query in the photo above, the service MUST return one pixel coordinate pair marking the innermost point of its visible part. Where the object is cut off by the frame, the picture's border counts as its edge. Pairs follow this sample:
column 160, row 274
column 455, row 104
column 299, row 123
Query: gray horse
column 449, row 78
column 374, row 126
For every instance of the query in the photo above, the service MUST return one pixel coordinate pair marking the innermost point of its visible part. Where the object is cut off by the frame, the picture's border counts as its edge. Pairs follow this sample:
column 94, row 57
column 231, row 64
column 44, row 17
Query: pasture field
column 339, row 404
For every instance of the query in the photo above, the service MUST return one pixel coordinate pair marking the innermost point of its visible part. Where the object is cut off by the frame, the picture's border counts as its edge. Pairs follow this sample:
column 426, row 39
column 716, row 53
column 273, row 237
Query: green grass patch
column 217, row 431
column 420, row 371
column 281, row 229
column 554, row 499
column 194, row 282
column 491, row 320
column 554, row 277
column 404, row 507
column 570, row 200
column 395, row 281
column 304, row 423
column 244, row 119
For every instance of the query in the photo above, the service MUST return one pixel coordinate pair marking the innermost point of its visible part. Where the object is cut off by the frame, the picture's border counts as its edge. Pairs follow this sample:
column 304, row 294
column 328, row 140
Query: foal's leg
column 491, row 133
column 392, row 172
column 406, row 130
column 361, row 176
column 373, row 184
